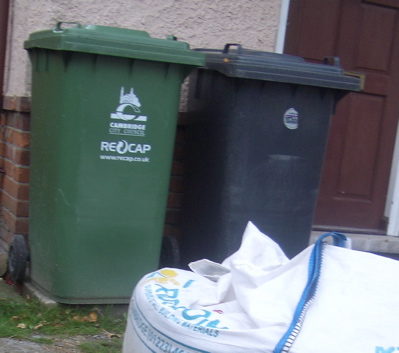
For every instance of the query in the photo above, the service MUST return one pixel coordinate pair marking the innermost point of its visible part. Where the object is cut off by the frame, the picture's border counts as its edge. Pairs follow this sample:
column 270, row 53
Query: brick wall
column 14, row 168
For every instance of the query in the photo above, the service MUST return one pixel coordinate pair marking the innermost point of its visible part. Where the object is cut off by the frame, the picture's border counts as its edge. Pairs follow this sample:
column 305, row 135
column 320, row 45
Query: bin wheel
column 17, row 258
column 170, row 254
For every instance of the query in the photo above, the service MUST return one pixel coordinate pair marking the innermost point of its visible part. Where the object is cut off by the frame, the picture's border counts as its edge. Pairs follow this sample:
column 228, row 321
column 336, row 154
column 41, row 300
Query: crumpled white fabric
column 246, row 304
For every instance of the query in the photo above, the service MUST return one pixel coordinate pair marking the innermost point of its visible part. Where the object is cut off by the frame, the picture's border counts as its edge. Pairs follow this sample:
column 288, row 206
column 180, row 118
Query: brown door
column 365, row 36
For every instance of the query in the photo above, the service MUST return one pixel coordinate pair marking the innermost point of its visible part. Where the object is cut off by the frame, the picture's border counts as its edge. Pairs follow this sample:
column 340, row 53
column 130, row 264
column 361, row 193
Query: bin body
column 102, row 136
column 256, row 138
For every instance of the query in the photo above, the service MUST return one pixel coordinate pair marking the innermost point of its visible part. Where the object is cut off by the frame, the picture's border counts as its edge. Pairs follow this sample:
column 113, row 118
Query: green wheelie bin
column 104, row 110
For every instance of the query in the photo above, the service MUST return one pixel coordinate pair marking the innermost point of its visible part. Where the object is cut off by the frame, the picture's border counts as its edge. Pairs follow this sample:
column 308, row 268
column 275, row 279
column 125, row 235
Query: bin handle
column 332, row 60
column 58, row 26
column 228, row 45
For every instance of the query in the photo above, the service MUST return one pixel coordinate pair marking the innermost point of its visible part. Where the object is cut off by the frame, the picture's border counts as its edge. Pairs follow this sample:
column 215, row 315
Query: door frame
column 392, row 203
column 282, row 26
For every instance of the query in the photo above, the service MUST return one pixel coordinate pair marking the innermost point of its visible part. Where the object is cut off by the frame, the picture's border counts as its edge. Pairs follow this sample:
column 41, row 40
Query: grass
column 31, row 320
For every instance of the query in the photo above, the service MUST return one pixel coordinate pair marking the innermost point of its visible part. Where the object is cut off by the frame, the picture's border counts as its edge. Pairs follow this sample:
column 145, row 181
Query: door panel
column 309, row 33
column 365, row 36
column 360, row 158
column 370, row 38
column 316, row 37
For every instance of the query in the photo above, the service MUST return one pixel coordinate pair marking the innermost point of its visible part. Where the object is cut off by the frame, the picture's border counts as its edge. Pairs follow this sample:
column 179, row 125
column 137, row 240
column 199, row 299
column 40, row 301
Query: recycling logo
column 129, row 107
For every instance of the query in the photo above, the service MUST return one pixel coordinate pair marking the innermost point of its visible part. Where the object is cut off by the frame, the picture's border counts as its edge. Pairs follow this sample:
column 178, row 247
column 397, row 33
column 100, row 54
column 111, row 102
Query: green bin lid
column 235, row 61
column 114, row 41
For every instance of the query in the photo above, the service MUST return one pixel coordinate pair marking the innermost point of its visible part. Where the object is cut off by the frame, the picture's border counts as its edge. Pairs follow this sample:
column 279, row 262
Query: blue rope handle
column 315, row 263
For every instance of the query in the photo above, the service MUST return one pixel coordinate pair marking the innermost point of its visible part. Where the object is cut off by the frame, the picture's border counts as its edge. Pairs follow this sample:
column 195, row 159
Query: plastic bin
column 257, row 132
column 104, row 110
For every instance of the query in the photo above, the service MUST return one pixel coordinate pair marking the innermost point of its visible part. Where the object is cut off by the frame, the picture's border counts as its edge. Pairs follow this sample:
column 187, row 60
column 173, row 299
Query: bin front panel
column 255, row 153
column 102, row 140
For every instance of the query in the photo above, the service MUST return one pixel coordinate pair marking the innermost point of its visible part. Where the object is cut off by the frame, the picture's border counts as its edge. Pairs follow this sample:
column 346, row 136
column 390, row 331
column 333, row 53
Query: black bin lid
column 235, row 61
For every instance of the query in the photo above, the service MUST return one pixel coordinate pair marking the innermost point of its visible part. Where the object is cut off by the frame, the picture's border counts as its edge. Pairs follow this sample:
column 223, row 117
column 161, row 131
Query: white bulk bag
column 327, row 299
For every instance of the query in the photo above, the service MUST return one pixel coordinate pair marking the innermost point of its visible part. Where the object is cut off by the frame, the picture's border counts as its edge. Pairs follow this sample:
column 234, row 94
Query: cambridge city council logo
column 128, row 112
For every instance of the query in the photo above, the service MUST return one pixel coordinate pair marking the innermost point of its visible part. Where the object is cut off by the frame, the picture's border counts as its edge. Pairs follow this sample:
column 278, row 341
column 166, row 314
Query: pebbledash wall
column 201, row 23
